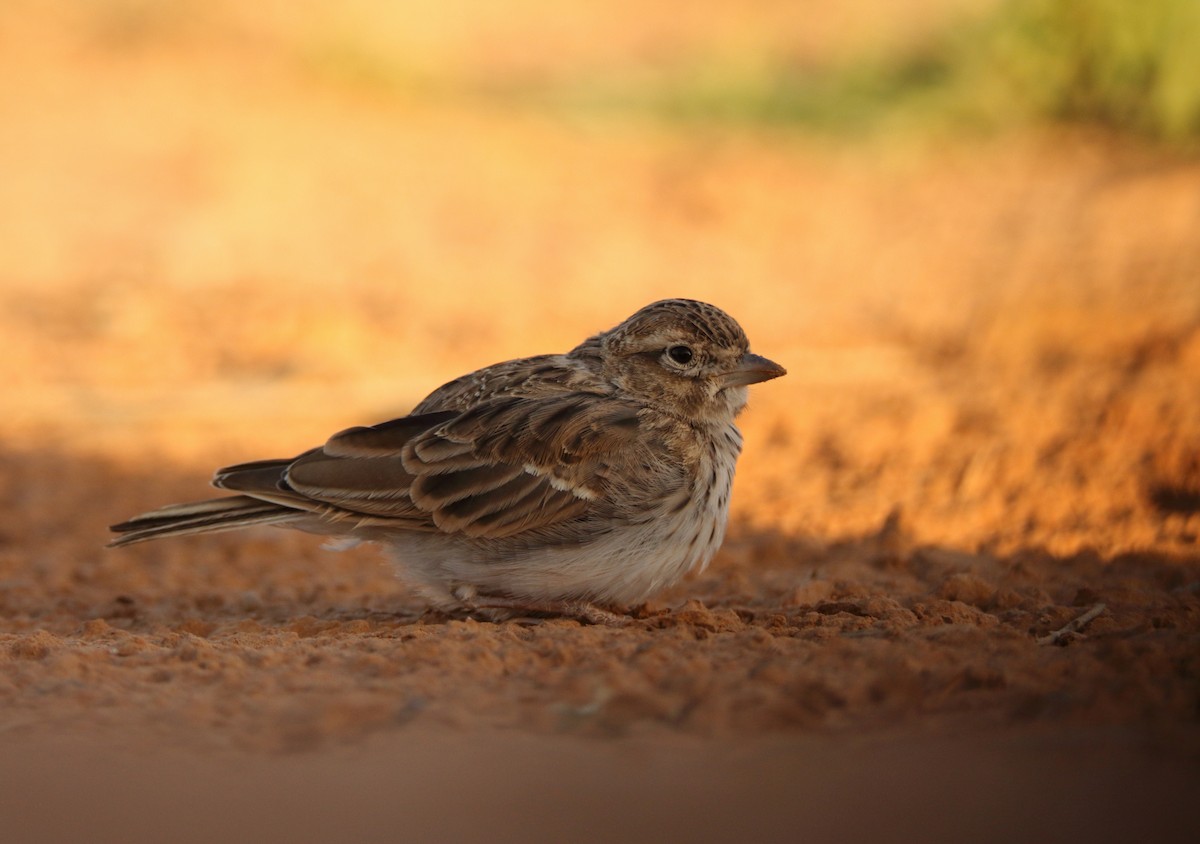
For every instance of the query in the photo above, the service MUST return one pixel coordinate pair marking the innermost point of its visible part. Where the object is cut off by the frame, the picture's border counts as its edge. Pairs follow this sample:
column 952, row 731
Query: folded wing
column 500, row 469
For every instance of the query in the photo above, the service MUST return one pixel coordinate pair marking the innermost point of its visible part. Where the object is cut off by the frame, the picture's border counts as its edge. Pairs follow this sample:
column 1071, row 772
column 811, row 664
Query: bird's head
column 684, row 357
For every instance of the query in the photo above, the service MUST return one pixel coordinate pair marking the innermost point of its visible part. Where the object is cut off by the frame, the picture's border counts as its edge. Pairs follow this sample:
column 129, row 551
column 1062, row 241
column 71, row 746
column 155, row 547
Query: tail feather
column 214, row 515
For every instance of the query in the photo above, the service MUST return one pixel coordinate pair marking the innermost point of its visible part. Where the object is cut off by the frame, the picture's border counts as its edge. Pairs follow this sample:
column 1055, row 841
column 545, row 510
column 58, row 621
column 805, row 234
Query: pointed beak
column 753, row 369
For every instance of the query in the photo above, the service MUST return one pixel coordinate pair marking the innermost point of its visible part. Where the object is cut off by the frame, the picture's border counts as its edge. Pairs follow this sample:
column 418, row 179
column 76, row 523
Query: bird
column 574, row 485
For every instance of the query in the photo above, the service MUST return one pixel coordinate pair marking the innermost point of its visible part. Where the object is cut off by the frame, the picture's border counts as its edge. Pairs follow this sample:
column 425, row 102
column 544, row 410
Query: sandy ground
column 990, row 428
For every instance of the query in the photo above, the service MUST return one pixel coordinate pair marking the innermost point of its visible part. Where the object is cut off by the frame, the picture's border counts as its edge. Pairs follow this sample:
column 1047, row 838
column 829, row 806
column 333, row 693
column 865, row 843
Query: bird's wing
column 542, row 376
column 502, row 468
column 363, row 487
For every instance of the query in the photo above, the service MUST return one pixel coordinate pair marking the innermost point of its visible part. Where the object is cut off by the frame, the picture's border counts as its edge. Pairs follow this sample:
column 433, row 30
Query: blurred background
column 969, row 228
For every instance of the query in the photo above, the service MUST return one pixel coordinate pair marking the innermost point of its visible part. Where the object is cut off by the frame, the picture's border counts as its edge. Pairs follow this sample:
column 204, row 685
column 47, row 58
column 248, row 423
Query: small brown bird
column 557, row 484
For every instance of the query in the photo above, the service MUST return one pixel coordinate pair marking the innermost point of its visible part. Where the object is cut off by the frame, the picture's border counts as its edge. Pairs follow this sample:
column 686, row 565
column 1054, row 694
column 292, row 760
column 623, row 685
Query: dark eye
column 681, row 354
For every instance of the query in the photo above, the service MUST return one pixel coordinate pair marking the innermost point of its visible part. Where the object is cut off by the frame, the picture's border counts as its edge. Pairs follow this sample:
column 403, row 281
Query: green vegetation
column 1130, row 65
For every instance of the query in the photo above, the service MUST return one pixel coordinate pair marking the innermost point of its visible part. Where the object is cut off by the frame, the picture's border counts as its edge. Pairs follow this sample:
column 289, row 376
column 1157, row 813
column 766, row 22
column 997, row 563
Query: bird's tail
column 212, row 516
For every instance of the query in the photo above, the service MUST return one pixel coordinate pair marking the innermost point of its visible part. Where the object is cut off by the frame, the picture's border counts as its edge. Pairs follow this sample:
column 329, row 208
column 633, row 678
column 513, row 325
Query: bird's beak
column 753, row 369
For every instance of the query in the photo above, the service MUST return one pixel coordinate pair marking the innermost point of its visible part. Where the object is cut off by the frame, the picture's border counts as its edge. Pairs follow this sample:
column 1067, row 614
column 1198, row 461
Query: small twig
column 1072, row 626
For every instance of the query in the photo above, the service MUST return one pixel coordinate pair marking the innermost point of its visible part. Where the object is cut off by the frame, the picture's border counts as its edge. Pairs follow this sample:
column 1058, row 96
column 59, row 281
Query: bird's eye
column 682, row 355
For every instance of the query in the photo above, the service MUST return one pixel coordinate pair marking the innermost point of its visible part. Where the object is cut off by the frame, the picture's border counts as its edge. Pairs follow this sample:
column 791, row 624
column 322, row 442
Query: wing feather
column 502, row 468
column 545, row 507
column 384, row 439
column 436, row 490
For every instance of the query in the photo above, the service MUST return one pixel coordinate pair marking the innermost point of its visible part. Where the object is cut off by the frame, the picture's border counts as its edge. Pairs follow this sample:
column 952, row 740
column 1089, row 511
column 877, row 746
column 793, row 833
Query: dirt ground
column 990, row 429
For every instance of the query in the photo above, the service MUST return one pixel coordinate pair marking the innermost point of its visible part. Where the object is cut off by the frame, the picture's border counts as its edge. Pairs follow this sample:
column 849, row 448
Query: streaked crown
column 685, row 317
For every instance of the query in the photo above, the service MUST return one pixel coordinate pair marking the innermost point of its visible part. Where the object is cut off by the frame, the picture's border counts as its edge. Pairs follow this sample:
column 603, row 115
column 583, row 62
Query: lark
column 576, row 484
